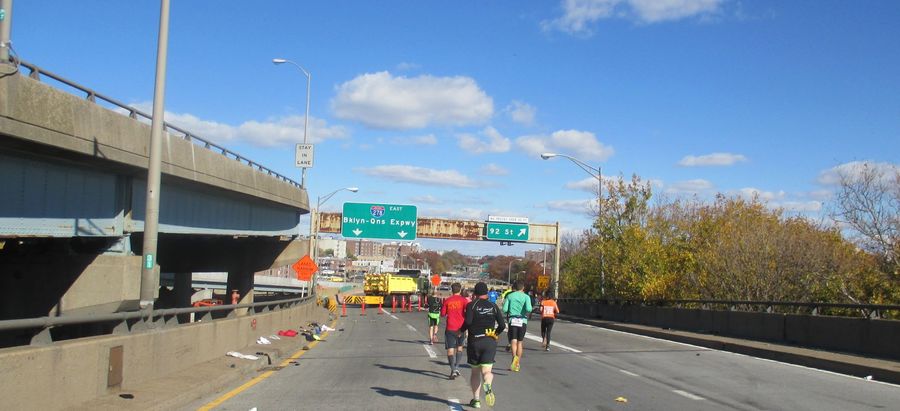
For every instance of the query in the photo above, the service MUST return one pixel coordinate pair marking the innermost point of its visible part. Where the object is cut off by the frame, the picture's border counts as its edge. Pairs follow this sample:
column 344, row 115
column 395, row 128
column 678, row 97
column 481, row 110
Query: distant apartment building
column 374, row 264
column 338, row 247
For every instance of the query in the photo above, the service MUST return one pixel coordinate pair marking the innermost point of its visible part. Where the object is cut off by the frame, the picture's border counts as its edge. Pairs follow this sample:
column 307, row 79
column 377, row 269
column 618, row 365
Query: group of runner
column 479, row 322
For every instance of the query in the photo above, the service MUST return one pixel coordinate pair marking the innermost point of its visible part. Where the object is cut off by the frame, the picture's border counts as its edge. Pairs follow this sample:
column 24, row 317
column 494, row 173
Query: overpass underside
column 72, row 203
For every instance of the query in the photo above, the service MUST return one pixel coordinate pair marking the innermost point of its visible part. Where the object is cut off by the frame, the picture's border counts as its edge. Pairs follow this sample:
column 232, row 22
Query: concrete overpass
column 73, row 167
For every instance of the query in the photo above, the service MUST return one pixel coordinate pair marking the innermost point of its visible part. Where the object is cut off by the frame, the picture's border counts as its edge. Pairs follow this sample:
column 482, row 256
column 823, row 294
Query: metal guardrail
column 36, row 72
column 869, row 310
column 140, row 320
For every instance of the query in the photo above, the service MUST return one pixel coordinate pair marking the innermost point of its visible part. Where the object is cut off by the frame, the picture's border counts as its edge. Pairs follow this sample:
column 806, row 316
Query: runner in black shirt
column 484, row 323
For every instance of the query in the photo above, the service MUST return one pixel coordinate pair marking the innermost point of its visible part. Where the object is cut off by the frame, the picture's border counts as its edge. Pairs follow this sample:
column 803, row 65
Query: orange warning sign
column 436, row 280
column 305, row 268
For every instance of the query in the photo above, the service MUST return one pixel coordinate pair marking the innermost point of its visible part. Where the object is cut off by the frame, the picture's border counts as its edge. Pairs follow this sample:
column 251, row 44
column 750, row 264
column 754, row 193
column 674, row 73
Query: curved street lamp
column 278, row 61
column 314, row 222
column 596, row 173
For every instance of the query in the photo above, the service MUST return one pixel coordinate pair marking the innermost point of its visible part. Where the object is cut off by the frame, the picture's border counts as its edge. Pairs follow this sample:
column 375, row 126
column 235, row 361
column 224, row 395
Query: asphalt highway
column 383, row 362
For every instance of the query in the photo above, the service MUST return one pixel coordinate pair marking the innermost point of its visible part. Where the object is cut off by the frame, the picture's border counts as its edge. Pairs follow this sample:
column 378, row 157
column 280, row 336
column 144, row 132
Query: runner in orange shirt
column 549, row 309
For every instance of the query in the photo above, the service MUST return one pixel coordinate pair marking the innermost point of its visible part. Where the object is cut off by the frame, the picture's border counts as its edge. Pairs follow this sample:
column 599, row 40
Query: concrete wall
column 71, row 372
column 853, row 335
column 38, row 113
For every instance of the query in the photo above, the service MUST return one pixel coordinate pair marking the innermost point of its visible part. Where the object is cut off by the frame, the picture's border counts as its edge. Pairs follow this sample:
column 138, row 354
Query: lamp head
column 546, row 156
column 279, row 61
column 353, row 189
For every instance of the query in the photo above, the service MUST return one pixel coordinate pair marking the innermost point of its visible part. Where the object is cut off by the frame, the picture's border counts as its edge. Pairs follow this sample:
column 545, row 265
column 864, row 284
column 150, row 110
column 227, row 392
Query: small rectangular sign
column 504, row 219
column 304, row 156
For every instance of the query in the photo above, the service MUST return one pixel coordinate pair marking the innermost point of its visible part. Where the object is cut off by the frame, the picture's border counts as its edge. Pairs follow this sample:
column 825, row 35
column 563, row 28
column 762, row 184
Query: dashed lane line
column 454, row 404
column 411, row 328
column 430, row 351
column 688, row 395
column 626, row 372
column 555, row 344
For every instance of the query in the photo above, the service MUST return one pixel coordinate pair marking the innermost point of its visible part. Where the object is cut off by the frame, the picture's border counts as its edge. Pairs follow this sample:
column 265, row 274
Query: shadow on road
column 408, row 394
column 408, row 341
column 412, row 371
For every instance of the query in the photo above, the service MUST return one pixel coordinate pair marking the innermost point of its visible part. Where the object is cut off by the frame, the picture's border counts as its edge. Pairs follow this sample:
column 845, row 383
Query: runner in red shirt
column 454, row 309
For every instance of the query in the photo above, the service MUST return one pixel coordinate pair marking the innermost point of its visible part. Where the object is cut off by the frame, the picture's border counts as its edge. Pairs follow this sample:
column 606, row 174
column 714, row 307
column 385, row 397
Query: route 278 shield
column 377, row 211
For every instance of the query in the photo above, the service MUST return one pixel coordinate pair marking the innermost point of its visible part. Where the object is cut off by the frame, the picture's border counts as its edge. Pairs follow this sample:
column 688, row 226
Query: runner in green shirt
column 517, row 305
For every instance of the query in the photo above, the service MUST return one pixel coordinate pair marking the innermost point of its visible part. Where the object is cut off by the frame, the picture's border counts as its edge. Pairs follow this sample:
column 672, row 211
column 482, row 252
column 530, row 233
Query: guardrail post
column 43, row 337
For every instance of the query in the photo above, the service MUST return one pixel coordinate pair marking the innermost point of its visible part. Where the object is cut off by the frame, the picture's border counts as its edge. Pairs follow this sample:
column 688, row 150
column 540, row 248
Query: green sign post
column 506, row 232
column 381, row 221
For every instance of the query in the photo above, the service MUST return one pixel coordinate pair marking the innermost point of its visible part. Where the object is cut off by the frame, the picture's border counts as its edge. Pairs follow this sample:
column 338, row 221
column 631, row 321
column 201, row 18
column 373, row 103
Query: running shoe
column 489, row 396
column 475, row 403
column 547, row 348
column 455, row 373
column 507, row 348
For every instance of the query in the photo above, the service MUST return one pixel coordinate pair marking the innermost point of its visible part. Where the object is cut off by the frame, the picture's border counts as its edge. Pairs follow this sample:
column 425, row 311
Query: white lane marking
column 393, row 316
column 555, row 344
column 454, row 404
column 688, row 395
column 747, row 356
column 411, row 328
column 430, row 351
column 626, row 372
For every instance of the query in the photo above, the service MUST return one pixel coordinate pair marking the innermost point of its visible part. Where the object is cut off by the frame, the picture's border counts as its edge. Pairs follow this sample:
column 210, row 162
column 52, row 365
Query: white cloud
column 521, row 113
column 426, row 199
column 695, row 186
column 854, row 169
column 714, row 159
column 583, row 144
column 588, row 184
column 381, row 100
column 492, row 169
column 572, row 206
column 495, row 143
column 421, row 175
column 273, row 132
column 750, row 193
column 424, row 140
column 652, row 11
column 799, row 206
column 458, row 213
column 404, row 66
column 579, row 15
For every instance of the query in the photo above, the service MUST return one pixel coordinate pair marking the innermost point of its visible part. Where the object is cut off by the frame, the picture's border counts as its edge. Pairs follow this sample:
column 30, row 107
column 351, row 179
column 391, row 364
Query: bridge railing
column 125, row 322
column 811, row 308
column 37, row 73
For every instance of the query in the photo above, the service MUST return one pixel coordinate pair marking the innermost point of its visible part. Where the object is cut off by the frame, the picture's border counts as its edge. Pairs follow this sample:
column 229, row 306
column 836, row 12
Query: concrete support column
column 183, row 293
column 242, row 282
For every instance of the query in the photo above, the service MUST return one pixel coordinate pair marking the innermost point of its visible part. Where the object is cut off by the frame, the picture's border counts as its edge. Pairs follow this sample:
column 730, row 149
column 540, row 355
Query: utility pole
column 5, row 29
column 150, row 268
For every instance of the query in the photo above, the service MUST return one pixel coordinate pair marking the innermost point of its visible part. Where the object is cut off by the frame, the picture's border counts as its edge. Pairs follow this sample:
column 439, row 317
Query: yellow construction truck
column 385, row 287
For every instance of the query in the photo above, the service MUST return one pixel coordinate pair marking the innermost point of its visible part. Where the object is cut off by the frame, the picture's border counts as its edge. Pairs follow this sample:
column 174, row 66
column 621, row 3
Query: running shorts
column 434, row 318
column 452, row 340
column 481, row 351
column 517, row 333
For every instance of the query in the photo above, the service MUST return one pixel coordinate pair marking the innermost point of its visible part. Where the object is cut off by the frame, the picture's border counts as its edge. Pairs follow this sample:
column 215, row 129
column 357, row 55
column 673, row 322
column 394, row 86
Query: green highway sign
column 383, row 221
column 506, row 231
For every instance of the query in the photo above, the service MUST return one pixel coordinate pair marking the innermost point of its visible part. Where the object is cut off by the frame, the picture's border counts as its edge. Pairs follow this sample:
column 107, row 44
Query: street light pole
column 509, row 271
column 314, row 222
column 593, row 172
column 150, row 266
column 306, row 120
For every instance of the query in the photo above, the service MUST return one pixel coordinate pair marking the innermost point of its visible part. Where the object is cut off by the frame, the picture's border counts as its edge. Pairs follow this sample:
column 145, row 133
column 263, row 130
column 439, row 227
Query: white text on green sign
column 507, row 232
column 383, row 221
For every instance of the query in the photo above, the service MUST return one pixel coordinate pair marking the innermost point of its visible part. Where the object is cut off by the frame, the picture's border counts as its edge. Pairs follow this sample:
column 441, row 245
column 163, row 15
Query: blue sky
column 446, row 105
